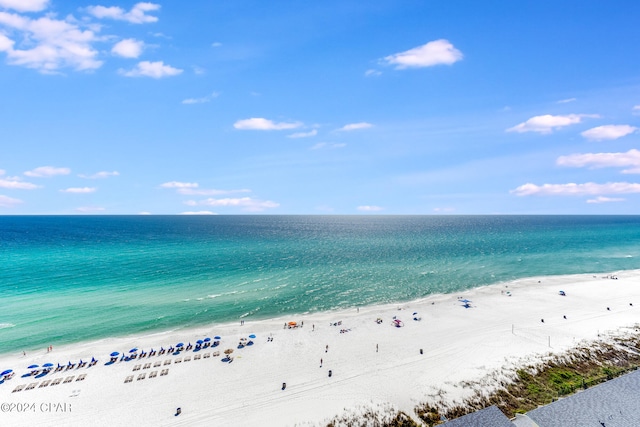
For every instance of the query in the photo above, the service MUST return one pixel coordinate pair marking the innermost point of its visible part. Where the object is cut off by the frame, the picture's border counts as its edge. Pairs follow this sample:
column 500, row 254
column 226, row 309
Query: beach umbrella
column 228, row 351
column 8, row 371
column 466, row 301
column 32, row 366
column 180, row 344
column 252, row 336
column 115, row 353
column 133, row 350
column 217, row 337
column 207, row 339
column 46, row 365
column 199, row 342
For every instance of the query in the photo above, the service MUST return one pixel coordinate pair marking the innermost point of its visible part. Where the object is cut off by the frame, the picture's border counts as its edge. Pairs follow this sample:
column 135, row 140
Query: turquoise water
column 77, row 278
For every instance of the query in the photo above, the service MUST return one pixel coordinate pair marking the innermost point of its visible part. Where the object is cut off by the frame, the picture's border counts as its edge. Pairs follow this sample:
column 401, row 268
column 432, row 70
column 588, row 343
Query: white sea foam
column 6, row 325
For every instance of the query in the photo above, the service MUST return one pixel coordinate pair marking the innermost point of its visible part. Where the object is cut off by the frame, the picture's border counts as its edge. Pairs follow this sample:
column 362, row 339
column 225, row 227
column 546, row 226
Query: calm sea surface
column 77, row 278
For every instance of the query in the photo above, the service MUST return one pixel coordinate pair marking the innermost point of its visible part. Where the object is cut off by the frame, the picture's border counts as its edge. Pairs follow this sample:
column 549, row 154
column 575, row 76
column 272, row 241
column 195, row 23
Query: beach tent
column 562, row 293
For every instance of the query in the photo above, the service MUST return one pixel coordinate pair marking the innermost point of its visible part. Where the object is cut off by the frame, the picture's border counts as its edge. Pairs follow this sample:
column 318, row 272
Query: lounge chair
column 19, row 388
column 146, row 366
column 56, row 381
column 44, row 383
column 156, row 364
column 31, row 386
column 164, row 372
column 215, row 354
column 187, row 359
column 141, row 376
column 136, row 368
column 167, row 362
column 207, row 355
column 81, row 377
column 68, row 379
column 128, row 379
column 178, row 360
column 197, row 357
column 153, row 374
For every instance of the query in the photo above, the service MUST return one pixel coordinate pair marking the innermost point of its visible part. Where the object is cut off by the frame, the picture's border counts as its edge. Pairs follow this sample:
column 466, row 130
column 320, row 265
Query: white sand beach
column 372, row 364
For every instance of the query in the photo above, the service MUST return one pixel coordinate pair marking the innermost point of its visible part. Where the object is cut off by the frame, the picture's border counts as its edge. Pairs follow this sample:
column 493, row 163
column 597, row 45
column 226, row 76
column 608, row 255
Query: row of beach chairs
column 47, row 383
column 177, row 360
column 143, row 375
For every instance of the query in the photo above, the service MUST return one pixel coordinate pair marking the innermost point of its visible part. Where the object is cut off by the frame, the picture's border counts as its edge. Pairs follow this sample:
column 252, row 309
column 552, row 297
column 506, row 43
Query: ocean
column 67, row 279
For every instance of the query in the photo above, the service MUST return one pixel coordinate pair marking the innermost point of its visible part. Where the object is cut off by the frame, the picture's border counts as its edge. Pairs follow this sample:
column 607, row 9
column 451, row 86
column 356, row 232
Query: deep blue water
column 74, row 278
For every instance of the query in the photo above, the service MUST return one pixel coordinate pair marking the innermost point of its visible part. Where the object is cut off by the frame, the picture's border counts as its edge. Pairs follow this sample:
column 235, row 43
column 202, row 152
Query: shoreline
column 374, row 365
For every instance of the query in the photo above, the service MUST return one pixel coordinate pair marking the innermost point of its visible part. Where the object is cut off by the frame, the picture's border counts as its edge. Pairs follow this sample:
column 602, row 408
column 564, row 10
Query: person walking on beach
column 326, row 349
column 376, row 348
column 321, row 362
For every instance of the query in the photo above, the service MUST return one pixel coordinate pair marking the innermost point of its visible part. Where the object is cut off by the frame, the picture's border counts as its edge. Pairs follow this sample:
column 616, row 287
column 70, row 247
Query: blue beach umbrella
column 199, row 342
column 466, row 301
column 46, row 365
column 180, row 344
column 216, row 337
column 133, row 350
column 8, row 371
column 115, row 353
column 32, row 366
column 252, row 336
column 207, row 339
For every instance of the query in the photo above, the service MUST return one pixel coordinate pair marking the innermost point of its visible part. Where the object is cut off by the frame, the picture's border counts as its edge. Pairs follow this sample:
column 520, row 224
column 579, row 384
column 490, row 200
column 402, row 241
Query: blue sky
column 332, row 107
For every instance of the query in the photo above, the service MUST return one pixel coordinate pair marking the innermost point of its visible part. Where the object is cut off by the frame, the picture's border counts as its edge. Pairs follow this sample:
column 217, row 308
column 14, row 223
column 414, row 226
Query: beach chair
column 146, row 366
column 141, row 376
column 137, row 367
column 156, row 364
column 56, row 381
column 216, row 353
column 153, row 374
column 187, row 359
column 44, row 383
column 19, row 388
column 81, row 377
column 207, row 355
column 197, row 357
column 164, row 372
column 128, row 379
column 167, row 362
column 31, row 386
column 178, row 360
column 68, row 379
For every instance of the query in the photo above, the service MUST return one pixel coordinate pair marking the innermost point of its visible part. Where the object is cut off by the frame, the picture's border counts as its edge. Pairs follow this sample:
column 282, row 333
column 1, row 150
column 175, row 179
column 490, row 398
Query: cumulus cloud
column 572, row 189
column 372, row 73
column 47, row 172
column 566, row 101
column 156, row 70
column 630, row 159
column 636, row 110
column 313, row 132
column 15, row 183
column 9, row 202
column 257, row 123
column 100, row 175
column 79, row 190
column 322, row 145
column 209, row 192
column 369, row 208
column 608, row 132
column 178, row 184
column 246, row 203
column 433, row 53
column 25, row 5
column 201, row 100
column 198, row 213
column 355, row 126
column 137, row 14
column 47, row 44
column 128, row 48
column 602, row 199
column 547, row 123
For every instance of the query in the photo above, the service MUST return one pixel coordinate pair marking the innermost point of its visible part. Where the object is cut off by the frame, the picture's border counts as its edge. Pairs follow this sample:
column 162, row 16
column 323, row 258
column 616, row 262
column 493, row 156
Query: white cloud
column 246, row 203
column 198, row 213
column 602, row 199
column 566, row 101
column 216, row 44
column 355, row 126
column 608, row 132
column 137, row 14
column 444, row 210
column 90, row 209
column 178, row 184
column 201, row 100
column 47, row 44
column 572, row 189
column 603, row 160
column 211, row 192
column 79, row 190
column 369, row 208
column 264, row 124
column 25, row 5
column 47, row 172
column 8, row 202
column 433, row 53
column 16, row 184
column 100, row 175
column 156, row 70
column 313, row 132
column 548, row 123
column 636, row 110
column 321, row 145
column 370, row 73
column 128, row 48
